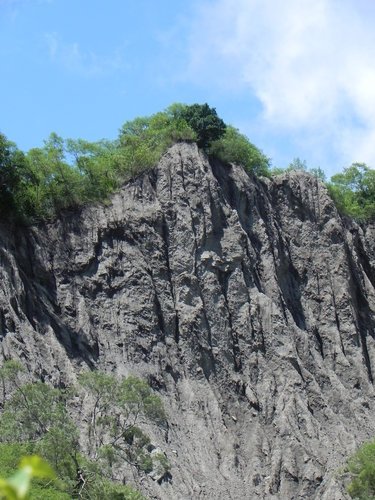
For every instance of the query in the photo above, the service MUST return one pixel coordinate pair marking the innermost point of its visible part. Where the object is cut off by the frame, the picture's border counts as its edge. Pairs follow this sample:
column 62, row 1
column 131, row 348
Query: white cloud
column 86, row 63
column 310, row 63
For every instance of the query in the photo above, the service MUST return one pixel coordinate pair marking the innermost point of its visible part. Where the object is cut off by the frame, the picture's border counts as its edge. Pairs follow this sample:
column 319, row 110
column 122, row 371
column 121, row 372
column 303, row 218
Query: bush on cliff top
column 352, row 190
column 67, row 173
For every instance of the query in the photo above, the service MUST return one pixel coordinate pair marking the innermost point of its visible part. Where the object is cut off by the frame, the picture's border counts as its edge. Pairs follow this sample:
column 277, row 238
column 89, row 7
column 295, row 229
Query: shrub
column 353, row 191
column 67, row 173
column 205, row 123
column 143, row 141
column 36, row 418
column 362, row 470
column 14, row 459
column 234, row 147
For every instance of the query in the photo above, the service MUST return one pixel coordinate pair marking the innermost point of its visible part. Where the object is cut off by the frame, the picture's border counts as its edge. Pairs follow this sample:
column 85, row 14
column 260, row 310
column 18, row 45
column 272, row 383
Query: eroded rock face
column 248, row 304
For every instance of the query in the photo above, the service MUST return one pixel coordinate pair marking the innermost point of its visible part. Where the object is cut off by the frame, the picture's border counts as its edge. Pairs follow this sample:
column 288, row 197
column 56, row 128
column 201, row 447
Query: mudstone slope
column 248, row 304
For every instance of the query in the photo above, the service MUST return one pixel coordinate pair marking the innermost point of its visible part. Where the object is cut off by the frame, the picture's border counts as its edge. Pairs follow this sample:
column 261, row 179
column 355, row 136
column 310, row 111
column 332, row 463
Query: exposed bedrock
column 247, row 303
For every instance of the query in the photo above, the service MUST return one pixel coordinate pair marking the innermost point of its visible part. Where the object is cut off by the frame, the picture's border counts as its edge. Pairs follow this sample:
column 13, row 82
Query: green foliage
column 161, row 462
column 23, row 470
column 299, row 165
column 60, row 446
column 10, row 456
column 102, row 489
column 234, row 147
column 10, row 377
column 95, row 162
column 36, row 419
column 14, row 176
column 353, row 191
column 204, row 121
column 144, row 140
column 54, row 184
column 31, row 412
column 136, row 395
column 362, row 470
column 93, row 483
column 64, row 174
column 115, row 408
column 276, row 171
column 318, row 173
column 18, row 485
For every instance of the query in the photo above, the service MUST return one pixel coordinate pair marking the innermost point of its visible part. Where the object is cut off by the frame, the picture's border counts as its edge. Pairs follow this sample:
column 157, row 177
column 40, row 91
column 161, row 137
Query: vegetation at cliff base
column 22, row 470
column 37, row 418
column 361, row 468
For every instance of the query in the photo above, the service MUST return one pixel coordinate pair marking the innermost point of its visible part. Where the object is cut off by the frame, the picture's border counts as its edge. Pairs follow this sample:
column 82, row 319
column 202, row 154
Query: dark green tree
column 205, row 123
column 13, row 176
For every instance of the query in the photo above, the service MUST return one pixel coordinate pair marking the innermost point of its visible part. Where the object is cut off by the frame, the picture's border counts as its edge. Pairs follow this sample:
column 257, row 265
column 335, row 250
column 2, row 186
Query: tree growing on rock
column 205, row 123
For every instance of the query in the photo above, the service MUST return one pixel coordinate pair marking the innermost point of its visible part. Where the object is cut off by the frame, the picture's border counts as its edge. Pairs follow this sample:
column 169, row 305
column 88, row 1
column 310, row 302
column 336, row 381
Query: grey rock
column 247, row 303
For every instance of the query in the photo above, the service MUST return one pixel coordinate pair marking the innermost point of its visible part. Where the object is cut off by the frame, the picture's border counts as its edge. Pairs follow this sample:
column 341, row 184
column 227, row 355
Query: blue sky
column 296, row 76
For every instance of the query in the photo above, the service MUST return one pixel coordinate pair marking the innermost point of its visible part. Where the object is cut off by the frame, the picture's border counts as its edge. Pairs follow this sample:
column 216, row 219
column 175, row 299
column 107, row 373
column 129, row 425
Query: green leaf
column 37, row 467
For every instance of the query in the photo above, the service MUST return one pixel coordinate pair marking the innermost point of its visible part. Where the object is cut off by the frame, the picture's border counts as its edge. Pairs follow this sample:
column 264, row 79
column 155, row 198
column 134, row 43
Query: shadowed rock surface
column 248, row 305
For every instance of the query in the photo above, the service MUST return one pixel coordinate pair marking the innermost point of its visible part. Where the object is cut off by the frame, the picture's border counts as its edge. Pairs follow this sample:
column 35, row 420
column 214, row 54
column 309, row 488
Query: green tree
column 37, row 416
column 362, row 470
column 300, row 165
column 116, row 407
column 234, row 147
column 37, row 413
column 144, row 140
column 318, row 173
column 54, row 184
column 353, row 191
column 95, row 161
column 10, row 377
column 204, row 121
column 297, row 164
column 65, row 183
column 14, row 176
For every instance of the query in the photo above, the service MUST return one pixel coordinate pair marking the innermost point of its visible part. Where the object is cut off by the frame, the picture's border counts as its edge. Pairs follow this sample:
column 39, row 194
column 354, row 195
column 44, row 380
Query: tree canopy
column 234, row 147
column 67, row 173
column 353, row 190
column 361, row 467
column 38, row 418
column 205, row 123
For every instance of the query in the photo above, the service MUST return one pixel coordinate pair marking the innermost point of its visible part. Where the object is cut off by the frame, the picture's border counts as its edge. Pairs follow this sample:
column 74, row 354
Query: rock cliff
column 247, row 303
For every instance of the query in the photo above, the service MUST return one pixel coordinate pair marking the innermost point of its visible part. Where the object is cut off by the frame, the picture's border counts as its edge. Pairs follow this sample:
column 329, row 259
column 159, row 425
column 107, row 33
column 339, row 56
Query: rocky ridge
column 247, row 303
